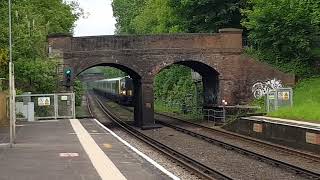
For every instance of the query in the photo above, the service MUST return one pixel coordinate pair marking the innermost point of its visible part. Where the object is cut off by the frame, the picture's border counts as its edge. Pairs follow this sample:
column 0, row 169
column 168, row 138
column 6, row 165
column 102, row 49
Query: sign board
column 64, row 98
column 312, row 138
column 44, row 101
column 278, row 98
column 271, row 96
column 257, row 127
column 285, row 95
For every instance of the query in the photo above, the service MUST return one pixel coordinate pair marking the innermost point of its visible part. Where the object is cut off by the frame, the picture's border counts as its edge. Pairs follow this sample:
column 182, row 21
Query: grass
column 174, row 111
column 306, row 100
column 81, row 111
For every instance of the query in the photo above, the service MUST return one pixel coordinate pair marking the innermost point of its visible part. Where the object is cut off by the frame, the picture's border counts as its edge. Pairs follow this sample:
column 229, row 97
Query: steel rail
column 197, row 167
column 244, row 138
column 260, row 157
column 248, row 139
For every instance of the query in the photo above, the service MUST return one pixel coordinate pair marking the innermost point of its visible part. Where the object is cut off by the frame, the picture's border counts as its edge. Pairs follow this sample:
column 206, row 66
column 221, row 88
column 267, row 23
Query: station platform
column 289, row 122
column 72, row 150
column 300, row 135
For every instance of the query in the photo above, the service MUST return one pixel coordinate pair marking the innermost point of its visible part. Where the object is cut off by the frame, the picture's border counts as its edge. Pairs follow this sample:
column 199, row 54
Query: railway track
column 260, row 157
column 193, row 165
column 277, row 163
column 276, row 147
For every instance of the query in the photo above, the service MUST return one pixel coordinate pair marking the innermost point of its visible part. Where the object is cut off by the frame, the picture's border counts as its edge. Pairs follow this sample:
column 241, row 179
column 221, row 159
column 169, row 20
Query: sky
column 99, row 21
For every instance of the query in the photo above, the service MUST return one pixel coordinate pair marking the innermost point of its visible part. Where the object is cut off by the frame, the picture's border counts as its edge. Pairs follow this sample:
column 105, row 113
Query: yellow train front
column 119, row 89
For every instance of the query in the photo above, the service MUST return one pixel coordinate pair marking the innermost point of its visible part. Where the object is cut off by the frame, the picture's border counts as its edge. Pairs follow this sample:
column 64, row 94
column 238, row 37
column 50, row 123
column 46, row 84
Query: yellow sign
column 285, row 96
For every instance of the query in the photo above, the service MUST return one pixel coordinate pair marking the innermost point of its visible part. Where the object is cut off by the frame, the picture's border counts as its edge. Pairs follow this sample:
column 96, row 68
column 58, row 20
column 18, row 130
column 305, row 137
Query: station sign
column 64, row 98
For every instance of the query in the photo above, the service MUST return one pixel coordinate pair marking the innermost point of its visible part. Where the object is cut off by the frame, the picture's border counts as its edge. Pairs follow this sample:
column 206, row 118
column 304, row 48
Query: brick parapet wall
column 146, row 56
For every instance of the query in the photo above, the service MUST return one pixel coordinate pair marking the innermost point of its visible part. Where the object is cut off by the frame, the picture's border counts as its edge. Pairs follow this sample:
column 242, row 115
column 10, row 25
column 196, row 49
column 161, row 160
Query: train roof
column 112, row 79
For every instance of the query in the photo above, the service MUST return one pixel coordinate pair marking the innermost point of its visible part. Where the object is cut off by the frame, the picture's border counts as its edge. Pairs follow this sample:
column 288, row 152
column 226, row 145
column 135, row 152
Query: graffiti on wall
column 259, row 89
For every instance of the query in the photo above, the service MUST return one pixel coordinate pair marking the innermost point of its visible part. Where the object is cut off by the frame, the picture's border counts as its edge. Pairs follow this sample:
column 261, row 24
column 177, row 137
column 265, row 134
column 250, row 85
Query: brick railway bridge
column 226, row 72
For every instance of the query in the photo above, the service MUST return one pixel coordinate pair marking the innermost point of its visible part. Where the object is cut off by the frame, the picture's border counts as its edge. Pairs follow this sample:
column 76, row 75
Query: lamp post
column 11, row 82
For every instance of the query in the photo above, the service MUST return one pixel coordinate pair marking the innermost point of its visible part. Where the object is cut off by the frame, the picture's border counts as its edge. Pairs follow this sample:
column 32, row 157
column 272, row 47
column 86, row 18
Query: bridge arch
column 218, row 56
column 128, row 70
column 143, row 106
column 209, row 77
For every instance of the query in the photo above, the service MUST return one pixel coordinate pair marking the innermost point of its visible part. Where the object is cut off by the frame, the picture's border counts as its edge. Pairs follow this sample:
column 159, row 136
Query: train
column 118, row 89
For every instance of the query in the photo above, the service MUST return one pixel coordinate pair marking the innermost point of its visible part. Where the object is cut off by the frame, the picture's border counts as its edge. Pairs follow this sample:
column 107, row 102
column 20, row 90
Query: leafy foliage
column 207, row 15
column 32, row 21
column 170, row 16
column 124, row 12
column 79, row 91
column 110, row 72
column 282, row 32
column 37, row 76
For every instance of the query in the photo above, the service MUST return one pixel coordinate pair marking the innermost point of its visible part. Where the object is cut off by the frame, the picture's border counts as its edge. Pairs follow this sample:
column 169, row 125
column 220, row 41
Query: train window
column 123, row 85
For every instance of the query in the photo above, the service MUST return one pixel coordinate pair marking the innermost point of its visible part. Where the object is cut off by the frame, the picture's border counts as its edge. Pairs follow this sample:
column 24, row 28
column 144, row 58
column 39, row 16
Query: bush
column 78, row 90
column 283, row 33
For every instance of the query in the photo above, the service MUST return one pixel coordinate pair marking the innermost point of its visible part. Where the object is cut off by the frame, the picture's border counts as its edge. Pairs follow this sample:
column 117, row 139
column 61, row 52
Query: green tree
column 156, row 17
column 32, row 21
column 36, row 76
column 125, row 11
column 207, row 15
column 282, row 32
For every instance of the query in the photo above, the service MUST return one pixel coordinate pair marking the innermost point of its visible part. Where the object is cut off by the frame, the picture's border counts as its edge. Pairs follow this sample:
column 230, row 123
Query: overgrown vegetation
column 284, row 33
column 306, row 102
column 110, row 72
column 32, row 21
column 79, row 91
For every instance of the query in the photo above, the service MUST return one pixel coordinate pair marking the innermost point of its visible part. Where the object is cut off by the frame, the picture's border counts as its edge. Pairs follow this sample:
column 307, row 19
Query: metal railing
column 215, row 115
column 45, row 106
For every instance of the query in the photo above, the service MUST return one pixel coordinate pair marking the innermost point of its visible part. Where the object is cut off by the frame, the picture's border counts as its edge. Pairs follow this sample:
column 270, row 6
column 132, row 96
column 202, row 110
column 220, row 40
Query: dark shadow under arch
column 134, row 75
column 137, row 100
column 210, row 80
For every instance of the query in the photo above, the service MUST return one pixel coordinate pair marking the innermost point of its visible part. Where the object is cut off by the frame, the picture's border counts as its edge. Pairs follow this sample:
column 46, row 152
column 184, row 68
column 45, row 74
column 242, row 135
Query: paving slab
column 129, row 163
column 36, row 154
column 53, row 150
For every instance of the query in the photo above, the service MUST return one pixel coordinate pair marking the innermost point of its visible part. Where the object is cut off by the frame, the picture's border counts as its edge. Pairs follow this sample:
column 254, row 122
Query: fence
column 215, row 115
column 45, row 106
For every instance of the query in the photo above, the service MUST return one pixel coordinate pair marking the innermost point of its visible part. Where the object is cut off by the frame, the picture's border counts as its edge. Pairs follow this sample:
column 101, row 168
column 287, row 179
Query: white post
column 11, row 104
column 56, row 108
column 74, row 105
column 11, row 82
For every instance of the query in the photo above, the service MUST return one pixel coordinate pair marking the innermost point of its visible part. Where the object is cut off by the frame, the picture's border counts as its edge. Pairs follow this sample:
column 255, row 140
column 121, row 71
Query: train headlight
column 123, row 92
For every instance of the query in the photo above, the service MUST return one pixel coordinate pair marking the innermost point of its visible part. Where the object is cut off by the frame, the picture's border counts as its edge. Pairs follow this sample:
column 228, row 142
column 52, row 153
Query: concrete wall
column 4, row 120
column 291, row 136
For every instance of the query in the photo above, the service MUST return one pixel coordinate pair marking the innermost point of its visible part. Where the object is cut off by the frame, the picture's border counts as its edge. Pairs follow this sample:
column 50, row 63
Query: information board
column 44, row 101
column 281, row 97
